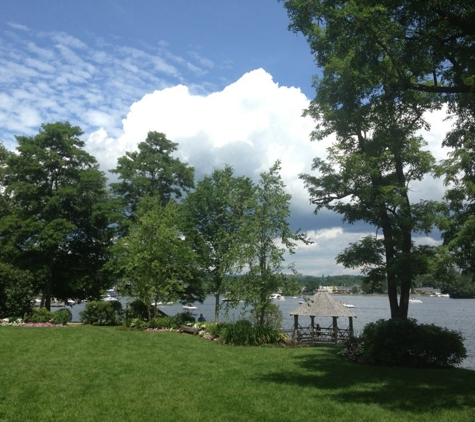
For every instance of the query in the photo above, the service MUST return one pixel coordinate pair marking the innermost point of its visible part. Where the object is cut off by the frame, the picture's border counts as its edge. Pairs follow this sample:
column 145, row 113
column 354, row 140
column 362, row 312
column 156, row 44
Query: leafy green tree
column 268, row 237
column 4, row 203
column 155, row 259
column 151, row 171
column 58, row 223
column 215, row 214
column 16, row 291
column 290, row 286
column 368, row 172
column 423, row 46
column 426, row 47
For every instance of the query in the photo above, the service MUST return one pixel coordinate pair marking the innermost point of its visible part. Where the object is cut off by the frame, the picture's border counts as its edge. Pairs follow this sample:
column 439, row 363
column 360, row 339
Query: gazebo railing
column 314, row 335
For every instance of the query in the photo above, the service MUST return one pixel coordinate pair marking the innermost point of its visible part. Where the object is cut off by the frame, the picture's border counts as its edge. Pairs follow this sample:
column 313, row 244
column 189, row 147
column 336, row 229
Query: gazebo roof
column 322, row 304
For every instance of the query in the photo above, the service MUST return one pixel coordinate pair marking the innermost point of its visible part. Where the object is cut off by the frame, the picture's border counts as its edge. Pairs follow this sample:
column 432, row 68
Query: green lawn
column 84, row 373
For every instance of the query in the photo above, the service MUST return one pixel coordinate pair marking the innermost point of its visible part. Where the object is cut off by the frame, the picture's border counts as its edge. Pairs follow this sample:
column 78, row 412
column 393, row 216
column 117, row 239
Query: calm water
column 455, row 314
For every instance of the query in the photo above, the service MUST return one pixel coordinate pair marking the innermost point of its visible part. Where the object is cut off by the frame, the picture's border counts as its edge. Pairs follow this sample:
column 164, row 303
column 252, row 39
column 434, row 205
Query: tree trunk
column 216, row 307
column 49, row 284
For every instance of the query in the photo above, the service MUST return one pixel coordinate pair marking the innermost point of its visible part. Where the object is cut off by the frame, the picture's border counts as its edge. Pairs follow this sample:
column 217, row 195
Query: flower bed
column 19, row 323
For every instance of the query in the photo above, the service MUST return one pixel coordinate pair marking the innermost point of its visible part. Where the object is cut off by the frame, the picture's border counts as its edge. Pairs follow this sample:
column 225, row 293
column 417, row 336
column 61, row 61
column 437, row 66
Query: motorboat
column 189, row 307
column 110, row 296
column 161, row 303
column 58, row 303
column 414, row 300
column 348, row 305
column 276, row 296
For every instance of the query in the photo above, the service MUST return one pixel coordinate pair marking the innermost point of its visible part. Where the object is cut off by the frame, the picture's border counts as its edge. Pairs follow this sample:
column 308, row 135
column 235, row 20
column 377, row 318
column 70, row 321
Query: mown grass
column 88, row 373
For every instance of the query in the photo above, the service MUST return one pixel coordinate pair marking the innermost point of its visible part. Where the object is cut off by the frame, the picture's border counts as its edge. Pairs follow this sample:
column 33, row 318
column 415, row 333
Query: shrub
column 183, row 318
column 39, row 315
column 272, row 315
column 62, row 316
column 102, row 313
column 16, row 291
column 243, row 333
column 214, row 329
column 162, row 322
column 138, row 324
column 136, row 310
column 406, row 343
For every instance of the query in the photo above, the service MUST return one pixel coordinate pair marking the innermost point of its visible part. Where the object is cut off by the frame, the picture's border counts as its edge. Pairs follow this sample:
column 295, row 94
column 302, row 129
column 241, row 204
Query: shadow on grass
column 413, row 390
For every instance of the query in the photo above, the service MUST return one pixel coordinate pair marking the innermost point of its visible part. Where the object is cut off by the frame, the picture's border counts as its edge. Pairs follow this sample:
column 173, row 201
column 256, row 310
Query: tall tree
column 368, row 172
column 58, row 226
column 151, row 171
column 267, row 237
column 215, row 214
column 426, row 47
column 155, row 258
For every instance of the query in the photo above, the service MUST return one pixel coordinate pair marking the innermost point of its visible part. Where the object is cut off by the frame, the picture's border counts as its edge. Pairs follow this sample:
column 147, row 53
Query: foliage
column 16, row 290
column 267, row 237
column 461, row 286
column 244, row 333
column 215, row 329
column 57, row 223
column 183, row 318
column 407, row 343
column 163, row 322
column 39, row 315
column 62, row 316
column 155, row 259
column 215, row 214
column 151, row 171
column 138, row 324
column 137, row 309
column 169, row 322
column 378, row 154
column 272, row 316
column 102, row 313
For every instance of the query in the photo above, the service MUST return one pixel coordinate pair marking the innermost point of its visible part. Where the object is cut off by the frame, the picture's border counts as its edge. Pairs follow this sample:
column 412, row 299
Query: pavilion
column 322, row 304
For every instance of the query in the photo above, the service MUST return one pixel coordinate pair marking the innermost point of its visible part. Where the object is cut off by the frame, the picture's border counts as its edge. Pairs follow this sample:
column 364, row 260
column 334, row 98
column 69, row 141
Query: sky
column 225, row 79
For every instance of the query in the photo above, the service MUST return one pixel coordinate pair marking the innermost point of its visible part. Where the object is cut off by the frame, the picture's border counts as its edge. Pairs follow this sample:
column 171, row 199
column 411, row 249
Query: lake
column 455, row 314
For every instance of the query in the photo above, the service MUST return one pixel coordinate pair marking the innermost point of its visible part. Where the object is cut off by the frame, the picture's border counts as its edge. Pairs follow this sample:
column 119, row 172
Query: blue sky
column 225, row 79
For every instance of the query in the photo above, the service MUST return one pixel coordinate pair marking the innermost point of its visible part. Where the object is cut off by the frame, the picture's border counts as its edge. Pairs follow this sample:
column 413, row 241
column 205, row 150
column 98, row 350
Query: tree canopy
column 372, row 103
column 367, row 49
column 268, row 237
column 215, row 214
column 151, row 171
column 154, row 258
column 59, row 214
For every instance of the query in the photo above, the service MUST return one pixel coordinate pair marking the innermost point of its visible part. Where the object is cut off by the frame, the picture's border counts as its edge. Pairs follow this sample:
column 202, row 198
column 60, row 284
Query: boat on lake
column 276, row 296
column 189, row 307
column 414, row 300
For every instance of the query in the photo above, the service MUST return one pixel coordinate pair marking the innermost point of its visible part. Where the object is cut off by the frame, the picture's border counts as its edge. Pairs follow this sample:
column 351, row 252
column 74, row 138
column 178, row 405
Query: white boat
column 414, row 300
column 276, row 296
column 348, row 305
column 189, row 307
column 110, row 296
column 57, row 303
